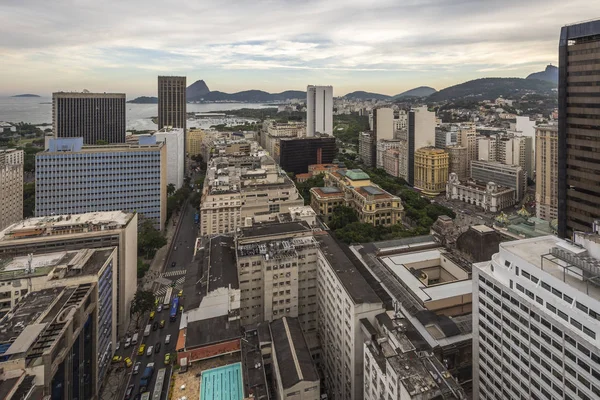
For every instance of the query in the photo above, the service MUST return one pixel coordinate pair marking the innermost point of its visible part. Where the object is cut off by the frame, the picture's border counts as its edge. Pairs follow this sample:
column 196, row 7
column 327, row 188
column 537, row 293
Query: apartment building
column 458, row 161
column 11, row 182
column 93, row 116
column 467, row 137
column 277, row 267
column 510, row 176
column 391, row 161
column 536, row 307
column 239, row 190
column 487, row 148
column 383, row 123
column 446, row 135
column 73, row 179
column 353, row 188
column 193, row 141
column 578, row 125
column 366, row 148
column 517, row 150
column 344, row 300
column 431, row 170
column 70, row 318
column 319, row 110
column 382, row 146
column 75, row 232
column 174, row 140
column 273, row 132
column 546, row 179
column 401, row 122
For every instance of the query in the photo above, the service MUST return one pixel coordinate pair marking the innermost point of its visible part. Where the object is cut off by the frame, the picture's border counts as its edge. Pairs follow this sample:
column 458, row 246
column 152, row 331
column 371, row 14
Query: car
column 129, row 392
column 159, row 308
column 136, row 368
column 128, row 362
column 152, row 314
column 180, row 293
column 156, row 302
column 117, row 359
column 180, row 309
column 155, row 326
column 168, row 339
column 175, row 248
column 173, row 264
column 141, row 349
column 157, row 347
column 167, row 359
column 162, row 323
column 118, row 346
column 150, row 351
column 127, row 342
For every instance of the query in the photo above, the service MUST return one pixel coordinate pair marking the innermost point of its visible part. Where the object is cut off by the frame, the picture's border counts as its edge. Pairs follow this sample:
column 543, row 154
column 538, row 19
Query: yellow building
column 193, row 141
column 353, row 188
column 431, row 170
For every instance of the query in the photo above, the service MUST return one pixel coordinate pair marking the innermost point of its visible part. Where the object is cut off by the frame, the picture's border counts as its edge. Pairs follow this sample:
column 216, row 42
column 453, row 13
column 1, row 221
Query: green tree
column 170, row 189
column 142, row 268
column 149, row 239
column 143, row 302
column 342, row 216
column 28, row 199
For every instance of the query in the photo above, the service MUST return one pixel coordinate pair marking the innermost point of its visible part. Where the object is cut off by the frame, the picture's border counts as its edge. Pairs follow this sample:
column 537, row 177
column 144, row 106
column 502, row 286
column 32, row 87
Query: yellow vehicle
column 167, row 358
column 152, row 314
column 141, row 350
column 162, row 323
column 128, row 362
column 180, row 293
column 155, row 302
column 117, row 359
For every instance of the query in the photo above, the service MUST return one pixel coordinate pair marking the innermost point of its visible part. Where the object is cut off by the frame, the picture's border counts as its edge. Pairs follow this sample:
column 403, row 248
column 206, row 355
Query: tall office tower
column 511, row 176
column 73, row 179
column 174, row 140
column 319, row 110
column 421, row 133
column 536, row 318
column 431, row 170
column 76, row 232
column 457, row 161
column 11, row 186
column 172, row 102
column 367, row 150
column 578, row 127
column 546, row 174
column 383, row 123
column 467, row 137
column 93, row 116
column 296, row 154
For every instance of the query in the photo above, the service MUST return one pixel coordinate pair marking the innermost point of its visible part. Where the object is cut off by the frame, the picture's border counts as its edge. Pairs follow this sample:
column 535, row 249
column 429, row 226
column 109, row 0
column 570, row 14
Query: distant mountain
column 252, row 96
column 550, row 74
column 360, row 95
column 196, row 90
column 492, row 88
column 144, row 100
column 26, row 95
column 421, row 91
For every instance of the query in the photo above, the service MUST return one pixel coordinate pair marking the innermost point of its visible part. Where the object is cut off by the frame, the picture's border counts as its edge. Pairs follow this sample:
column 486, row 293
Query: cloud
column 410, row 37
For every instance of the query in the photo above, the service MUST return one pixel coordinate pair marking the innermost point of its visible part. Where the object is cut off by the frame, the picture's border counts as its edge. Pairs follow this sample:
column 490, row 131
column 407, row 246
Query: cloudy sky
column 384, row 46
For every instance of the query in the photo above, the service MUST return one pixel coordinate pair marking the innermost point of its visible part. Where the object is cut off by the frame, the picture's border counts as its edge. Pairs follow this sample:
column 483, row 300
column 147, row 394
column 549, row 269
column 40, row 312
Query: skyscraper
column 319, row 110
column 578, row 127
column 546, row 173
column 421, row 133
column 93, row 116
column 171, row 101
column 11, row 186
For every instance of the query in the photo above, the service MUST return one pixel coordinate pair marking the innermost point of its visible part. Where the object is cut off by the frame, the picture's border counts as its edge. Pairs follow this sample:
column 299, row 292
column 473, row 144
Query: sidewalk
column 158, row 262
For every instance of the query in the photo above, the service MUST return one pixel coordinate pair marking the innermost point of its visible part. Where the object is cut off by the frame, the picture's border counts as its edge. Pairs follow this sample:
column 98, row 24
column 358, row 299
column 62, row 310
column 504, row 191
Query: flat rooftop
column 274, row 228
column 212, row 330
column 222, row 383
column 222, row 271
column 108, row 219
column 354, row 283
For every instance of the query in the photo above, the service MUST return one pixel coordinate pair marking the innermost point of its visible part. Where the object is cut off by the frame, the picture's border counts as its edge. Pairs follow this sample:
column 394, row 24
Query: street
column 181, row 252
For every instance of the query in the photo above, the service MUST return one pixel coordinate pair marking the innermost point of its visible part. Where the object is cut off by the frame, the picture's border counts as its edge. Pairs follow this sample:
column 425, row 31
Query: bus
column 174, row 308
column 145, row 396
column 158, row 385
column 168, row 295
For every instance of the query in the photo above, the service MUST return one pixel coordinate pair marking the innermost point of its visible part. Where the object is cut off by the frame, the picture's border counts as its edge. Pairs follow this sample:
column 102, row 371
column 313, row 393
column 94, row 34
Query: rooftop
column 222, row 270
column 354, row 283
column 255, row 380
column 374, row 191
column 222, row 383
column 212, row 330
column 293, row 357
column 273, row 228
column 357, row 175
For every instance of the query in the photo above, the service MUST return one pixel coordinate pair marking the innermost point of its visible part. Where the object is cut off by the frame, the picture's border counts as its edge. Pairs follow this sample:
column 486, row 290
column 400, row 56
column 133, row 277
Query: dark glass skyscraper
column 578, row 128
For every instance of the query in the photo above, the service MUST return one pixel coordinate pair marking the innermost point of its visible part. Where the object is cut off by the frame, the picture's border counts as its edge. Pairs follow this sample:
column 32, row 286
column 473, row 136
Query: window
column 589, row 332
column 576, row 324
column 546, row 286
column 557, row 293
column 581, row 307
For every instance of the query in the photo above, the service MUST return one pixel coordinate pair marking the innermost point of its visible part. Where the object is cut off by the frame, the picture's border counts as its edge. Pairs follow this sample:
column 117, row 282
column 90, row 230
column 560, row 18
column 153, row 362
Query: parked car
column 162, row 323
column 157, row 347
column 118, row 346
column 127, row 342
column 128, row 362
column 141, row 349
column 152, row 314
column 117, row 359
column 159, row 308
column 136, row 368
column 168, row 339
column 129, row 392
column 167, row 359
column 150, row 351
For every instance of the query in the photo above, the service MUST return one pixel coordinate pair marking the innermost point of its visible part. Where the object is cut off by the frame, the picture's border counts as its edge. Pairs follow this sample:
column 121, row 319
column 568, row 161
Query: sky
column 383, row 46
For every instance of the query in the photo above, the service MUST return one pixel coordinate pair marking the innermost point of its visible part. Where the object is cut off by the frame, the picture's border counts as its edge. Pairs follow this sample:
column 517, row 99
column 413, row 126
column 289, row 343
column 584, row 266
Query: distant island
column 26, row 95
column 144, row 100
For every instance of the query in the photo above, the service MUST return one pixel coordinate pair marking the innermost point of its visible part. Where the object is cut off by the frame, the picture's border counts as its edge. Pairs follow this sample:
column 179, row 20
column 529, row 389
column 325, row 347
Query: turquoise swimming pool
column 222, row 383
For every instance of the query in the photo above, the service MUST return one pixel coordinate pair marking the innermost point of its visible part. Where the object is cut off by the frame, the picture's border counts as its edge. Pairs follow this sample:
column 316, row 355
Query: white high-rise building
column 383, row 123
column 175, row 140
column 319, row 110
column 536, row 318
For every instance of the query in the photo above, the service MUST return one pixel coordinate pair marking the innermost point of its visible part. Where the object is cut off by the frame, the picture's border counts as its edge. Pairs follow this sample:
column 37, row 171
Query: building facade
column 75, row 232
column 382, row 146
column 457, row 161
column 319, row 110
column 431, row 170
column 535, row 320
column 489, row 196
column 420, row 133
column 172, row 102
column 93, row 116
column 578, row 125
column 193, row 141
column 510, row 176
column 546, row 179
column 273, row 132
column 383, row 123
column 173, row 138
column 74, row 179
column 11, row 184
column 467, row 137
column 295, row 155
column 391, row 161
column 366, row 148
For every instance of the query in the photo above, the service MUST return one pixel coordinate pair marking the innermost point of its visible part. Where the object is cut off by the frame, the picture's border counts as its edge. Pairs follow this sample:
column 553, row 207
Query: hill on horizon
column 421, row 91
column 550, row 74
column 492, row 88
column 26, row 95
column 196, row 90
column 362, row 95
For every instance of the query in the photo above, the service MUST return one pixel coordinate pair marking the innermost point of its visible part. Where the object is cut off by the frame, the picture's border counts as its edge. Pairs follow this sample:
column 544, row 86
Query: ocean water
column 38, row 110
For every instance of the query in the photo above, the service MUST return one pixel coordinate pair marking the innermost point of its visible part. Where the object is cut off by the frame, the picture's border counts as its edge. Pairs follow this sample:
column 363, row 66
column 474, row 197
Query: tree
column 28, row 199
column 170, row 189
column 143, row 301
column 342, row 216
column 149, row 239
